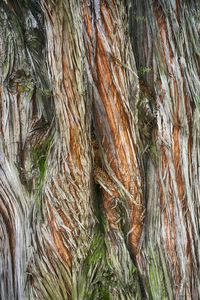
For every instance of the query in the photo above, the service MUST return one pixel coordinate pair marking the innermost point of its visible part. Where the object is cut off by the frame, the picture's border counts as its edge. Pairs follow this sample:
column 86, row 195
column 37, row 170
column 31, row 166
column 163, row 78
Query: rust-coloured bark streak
column 175, row 127
column 74, row 139
column 49, row 13
column 67, row 194
column 62, row 250
column 170, row 227
column 116, row 137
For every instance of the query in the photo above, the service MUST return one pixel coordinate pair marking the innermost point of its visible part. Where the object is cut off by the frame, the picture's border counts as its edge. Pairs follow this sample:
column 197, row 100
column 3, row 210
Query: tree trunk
column 168, row 33
column 99, row 180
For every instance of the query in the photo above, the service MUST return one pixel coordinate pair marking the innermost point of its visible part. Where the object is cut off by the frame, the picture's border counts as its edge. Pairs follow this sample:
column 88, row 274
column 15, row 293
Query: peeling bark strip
column 62, row 236
column 168, row 32
column 66, row 228
column 16, row 114
column 112, row 70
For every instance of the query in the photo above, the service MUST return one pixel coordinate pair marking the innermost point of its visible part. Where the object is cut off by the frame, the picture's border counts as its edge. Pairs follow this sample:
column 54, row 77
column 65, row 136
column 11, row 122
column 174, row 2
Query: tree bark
column 168, row 33
column 99, row 149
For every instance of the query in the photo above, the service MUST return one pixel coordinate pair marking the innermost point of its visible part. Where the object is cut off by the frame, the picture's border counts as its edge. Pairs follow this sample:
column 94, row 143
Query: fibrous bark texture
column 114, row 85
column 99, row 149
column 168, row 34
column 18, row 107
column 113, row 79
column 67, row 217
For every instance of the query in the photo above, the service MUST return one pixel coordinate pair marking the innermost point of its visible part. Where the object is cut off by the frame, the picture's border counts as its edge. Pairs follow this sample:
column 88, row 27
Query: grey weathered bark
column 168, row 33
column 85, row 145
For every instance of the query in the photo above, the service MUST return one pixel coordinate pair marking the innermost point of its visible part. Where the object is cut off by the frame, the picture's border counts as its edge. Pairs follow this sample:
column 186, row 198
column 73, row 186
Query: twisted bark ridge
column 168, row 32
column 65, row 229
column 99, row 149
column 18, row 108
column 111, row 69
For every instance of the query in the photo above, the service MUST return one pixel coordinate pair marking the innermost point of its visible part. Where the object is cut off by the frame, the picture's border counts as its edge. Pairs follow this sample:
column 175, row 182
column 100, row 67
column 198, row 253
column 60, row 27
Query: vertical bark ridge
column 25, row 127
column 65, row 229
column 16, row 103
column 164, row 30
column 112, row 73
